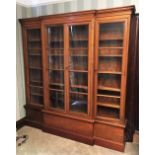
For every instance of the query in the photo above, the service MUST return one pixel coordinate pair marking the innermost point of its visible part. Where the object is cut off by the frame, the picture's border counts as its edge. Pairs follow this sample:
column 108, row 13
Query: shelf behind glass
column 57, row 99
column 109, row 81
column 113, row 64
column 108, row 101
column 36, row 99
column 109, row 88
column 107, row 112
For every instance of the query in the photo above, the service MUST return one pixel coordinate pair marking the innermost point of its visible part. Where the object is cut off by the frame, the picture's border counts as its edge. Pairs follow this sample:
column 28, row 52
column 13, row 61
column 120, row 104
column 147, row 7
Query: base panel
column 110, row 135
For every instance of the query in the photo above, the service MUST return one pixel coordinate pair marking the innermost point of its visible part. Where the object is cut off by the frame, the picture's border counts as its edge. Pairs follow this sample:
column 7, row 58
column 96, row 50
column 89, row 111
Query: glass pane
column 78, row 102
column 35, row 66
column 57, row 99
column 56, row 65
column 109, row 80
column 78, row 66
column 107, row 112
column 110, row 69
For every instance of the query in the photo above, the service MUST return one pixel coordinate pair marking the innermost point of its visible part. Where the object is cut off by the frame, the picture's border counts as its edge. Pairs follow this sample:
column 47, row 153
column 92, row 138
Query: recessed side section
column 78, row 68
column 35, row 66
column 55, row 50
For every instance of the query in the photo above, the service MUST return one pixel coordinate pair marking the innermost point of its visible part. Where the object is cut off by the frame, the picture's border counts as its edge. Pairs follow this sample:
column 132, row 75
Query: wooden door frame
column 44, row 26
column 66, row 21
column 114, row 19
column 90, row 24
column 29, row 25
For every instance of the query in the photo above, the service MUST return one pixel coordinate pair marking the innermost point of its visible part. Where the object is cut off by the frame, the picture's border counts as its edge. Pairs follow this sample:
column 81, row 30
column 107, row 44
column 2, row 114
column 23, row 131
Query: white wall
column 20, row 85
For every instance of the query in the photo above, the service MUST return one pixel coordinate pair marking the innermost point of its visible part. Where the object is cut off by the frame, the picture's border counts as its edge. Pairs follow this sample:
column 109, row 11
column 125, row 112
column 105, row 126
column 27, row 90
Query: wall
column 70, row 6
column 78, row 5
column 20, row 86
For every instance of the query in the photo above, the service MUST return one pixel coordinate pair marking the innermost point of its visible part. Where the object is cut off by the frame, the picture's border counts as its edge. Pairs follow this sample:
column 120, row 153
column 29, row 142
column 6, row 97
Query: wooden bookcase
column 76, row 73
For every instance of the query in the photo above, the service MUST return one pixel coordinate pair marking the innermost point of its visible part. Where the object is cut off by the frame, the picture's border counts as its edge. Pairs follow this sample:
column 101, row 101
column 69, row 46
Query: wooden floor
column 41, row 143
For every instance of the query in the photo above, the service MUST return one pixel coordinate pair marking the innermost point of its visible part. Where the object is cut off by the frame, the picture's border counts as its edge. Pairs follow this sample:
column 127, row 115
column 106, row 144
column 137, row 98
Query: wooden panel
column 132, row 99
column 45, row 65
column 20, row 123
column 69, row 124
column 67, row 134
column 127, row 10
column 109, row 144
column 34, row 115
column 109, row 132
column 118, row 11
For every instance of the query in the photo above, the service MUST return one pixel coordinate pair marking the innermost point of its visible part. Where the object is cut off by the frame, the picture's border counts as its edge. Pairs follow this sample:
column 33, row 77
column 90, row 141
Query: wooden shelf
column 34, row 40
column 111, row 39
column 55, row 41
column 78, row 55
column 74, row 92
column 55, row 69
column 119, row 55
column 55, row 54
column 109, row 88
column 55, row 48
column 111, row 47
column 37, row 104
column 31, row 67
column 35, row 49
column 36, row 94
column 57, row 84
column 113, row 116
column 79, row 86
column 82, row 71
column 36, row 81
column 110, row 105
column 78, row 40
column 79, row 48
column 111, row 96
column 59, row 90
column 35, row 54
column 109, row 72
column 108, row 112
column 40, row 87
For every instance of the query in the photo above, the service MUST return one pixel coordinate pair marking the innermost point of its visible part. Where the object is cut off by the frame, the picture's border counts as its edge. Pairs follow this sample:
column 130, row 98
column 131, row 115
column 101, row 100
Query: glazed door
column 110, row 69
column 79, row 68
column 68, row 71
column 55, row 67
column 33, row 61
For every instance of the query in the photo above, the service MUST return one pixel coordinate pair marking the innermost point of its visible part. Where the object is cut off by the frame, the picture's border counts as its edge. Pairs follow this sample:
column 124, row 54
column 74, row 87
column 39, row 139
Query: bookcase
column 76, row 73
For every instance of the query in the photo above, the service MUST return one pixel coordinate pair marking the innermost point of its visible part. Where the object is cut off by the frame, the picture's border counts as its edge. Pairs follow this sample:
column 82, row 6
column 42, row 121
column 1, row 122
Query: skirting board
column 33, row 124
column 109, row 144
column 20, row 123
